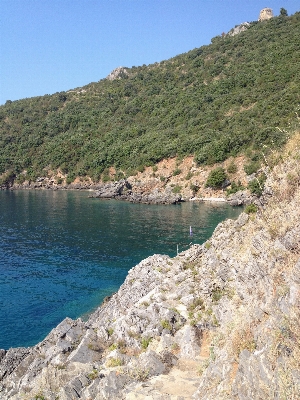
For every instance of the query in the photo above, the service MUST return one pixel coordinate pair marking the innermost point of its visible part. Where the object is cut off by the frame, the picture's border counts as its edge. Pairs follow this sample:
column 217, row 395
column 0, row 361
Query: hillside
column 219, row 321
column 212, row 102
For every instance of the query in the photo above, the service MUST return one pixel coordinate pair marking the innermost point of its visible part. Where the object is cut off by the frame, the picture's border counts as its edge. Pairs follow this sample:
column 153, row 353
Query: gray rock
column 242, row 197
column 151, row 362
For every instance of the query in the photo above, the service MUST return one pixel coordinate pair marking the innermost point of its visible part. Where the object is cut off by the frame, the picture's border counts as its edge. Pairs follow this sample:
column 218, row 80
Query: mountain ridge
column 212, row 102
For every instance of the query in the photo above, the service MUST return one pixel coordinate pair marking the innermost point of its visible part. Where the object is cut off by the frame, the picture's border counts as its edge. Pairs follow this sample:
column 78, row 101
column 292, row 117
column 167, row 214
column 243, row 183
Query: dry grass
column 242, row 339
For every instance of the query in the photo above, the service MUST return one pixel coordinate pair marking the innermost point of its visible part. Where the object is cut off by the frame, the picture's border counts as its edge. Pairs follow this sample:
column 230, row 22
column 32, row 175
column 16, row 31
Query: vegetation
column 235, row 187
column 252, row 167
column 256, row 186
column 145, row 342
column 114, row 362
column 216, row 178
column 212, row 102
column 251, row 208
column 232, row 168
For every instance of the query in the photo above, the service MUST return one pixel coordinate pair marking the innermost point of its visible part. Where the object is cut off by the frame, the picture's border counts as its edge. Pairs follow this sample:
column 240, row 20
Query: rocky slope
column 219, row 321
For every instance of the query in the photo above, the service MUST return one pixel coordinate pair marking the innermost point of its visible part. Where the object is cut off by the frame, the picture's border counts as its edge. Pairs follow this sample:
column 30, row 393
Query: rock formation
column 265, row 14
column 238, row 29
column 117, row 73
column 121, row 190
column 219, row 321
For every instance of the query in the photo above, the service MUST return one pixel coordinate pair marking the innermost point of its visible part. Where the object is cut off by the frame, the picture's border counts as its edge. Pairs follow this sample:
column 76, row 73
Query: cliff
column 219, row 321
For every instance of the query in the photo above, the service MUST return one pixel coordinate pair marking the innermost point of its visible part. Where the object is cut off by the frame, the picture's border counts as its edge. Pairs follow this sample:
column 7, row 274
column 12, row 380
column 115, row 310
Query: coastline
column 177, row 326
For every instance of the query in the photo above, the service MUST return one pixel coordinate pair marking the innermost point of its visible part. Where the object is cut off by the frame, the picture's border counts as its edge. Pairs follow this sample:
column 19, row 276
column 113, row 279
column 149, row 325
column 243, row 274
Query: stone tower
column 266, row 13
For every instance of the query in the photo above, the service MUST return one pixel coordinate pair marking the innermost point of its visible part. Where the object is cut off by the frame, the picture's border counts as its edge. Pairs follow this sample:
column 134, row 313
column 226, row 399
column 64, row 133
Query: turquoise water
column 61, row 252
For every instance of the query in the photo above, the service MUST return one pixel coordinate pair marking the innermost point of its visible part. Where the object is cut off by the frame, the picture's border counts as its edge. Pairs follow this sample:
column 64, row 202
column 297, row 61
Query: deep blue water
column 61, row 252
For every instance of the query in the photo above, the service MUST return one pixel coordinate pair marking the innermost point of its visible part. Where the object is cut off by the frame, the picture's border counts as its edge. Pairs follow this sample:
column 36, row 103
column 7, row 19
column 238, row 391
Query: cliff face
column 219, row 321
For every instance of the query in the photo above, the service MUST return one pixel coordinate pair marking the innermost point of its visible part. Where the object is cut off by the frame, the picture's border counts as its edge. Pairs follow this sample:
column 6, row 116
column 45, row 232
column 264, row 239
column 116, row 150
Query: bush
column 194, row 188
column 256, row 186
column 251, row 208
column 176, row 171
column 176, row 189
column 251, row 168
column 235, row 187
column 166, row 324
column 216, row 178
column 232, row 168
column 114, row 362
column 189, row 176
column 145, row 342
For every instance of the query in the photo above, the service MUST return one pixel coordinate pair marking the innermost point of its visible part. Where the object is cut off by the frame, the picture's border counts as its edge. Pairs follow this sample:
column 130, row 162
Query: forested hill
column 212, row 102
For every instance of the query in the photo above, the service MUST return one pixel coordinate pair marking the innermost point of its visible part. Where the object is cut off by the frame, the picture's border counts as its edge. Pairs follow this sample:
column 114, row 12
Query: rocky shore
column 125, row 190
column 168, row 182
column 122, row 190
column 219, row 321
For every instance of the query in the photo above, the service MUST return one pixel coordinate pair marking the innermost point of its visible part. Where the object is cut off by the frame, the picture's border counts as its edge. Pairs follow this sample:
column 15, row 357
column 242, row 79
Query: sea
column 62, row 252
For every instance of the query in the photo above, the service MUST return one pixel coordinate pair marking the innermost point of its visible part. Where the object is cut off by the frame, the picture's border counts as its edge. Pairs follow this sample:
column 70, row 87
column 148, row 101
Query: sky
column 47, row 46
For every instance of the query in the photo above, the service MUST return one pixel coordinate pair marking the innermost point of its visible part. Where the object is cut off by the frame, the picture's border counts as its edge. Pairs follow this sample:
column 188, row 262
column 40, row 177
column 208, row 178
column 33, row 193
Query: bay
column 61, row 252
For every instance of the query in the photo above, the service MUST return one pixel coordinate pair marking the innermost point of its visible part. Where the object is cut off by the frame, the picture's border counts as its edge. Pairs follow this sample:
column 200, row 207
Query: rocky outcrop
column 242, row 197
column 265, row 14
column 122, row 190
column 218, row 321
column 238, row 29
column 117, row 73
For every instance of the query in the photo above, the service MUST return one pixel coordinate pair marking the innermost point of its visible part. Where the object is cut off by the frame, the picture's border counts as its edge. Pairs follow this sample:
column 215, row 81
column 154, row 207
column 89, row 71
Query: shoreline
column 97, row 187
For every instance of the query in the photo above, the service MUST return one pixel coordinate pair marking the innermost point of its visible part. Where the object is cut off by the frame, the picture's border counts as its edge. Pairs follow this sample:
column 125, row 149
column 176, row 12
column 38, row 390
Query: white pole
column 177, row 249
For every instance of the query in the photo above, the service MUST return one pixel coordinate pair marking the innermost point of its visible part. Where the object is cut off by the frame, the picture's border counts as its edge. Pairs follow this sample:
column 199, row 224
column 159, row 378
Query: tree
column 283, row 12
column 216, row 178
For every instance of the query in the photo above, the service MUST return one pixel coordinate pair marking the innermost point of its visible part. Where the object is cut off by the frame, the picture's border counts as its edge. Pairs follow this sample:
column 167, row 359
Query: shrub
column 145, row 342
column 93, row 375
column 139, row 374
column 189, row 175
column 119, row 175
column 251, row 208
column 114, row 346
column 176, row 189
column 166, row 324
column 252, row 167
column 105, row 178
column 194, row 188
column 241, row 340
column 71, row 177
column 216, row 178
column 235, row 187
column 232, row 168
column 114, row 362
column 256, row 186
column 21, row 179
column 110, row 331
column 217, row 294
column 176, row 171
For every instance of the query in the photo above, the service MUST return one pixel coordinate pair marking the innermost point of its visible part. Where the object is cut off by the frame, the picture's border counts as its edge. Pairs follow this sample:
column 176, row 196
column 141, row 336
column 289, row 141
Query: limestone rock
column 117, row 73
column 242, row 197
column 238, row 29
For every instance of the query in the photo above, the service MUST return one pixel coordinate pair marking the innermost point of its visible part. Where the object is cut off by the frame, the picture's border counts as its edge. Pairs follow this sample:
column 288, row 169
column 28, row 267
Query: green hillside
column 213, row 102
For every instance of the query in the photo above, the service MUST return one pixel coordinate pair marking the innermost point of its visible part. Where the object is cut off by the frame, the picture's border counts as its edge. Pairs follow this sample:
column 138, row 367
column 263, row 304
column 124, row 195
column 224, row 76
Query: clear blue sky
column 48, row 46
